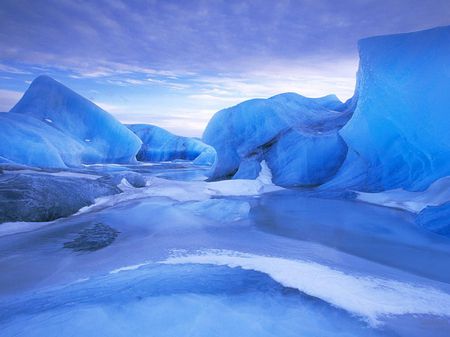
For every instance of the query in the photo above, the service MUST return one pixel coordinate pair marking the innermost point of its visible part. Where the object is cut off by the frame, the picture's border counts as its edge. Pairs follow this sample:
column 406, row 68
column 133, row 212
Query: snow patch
column 368, row 297
column 437, row 194
column 128, row 268
column 184, row 191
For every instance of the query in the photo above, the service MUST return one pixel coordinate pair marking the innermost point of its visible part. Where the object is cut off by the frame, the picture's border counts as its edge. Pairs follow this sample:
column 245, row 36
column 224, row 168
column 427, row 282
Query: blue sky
column 174, row 63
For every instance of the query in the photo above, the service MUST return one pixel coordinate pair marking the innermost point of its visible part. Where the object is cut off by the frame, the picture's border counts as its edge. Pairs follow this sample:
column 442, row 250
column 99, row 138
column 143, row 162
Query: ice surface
column 281, row 263
column 49, row 127
column 436, row 194
column 436, row 219
column 368, row 297
column 161, row 145
column 173, row 300
column 186, row 191
column 297, row 136
column 400, row 126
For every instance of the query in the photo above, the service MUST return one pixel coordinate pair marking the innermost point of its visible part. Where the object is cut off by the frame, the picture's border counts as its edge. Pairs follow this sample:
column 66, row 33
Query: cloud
column 161, row 37
column 177, row 62
column 8, row 98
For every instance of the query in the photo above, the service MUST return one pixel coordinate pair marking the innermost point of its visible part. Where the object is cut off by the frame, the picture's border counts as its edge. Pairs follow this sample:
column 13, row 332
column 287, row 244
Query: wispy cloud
column 177, row 61
column 8, row 98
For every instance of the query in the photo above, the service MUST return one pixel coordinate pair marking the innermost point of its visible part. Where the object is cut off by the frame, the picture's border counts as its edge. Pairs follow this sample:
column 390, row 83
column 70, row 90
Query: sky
column 173, row 63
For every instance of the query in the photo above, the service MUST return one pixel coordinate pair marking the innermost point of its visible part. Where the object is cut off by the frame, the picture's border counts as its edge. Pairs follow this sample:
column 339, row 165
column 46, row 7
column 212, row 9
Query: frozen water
column 295, row 135
column 368, row 297
column 52, row 126
column 183, row 253
column 399, row 129
column 436, row 219
column 436, row 194
column 161, row 145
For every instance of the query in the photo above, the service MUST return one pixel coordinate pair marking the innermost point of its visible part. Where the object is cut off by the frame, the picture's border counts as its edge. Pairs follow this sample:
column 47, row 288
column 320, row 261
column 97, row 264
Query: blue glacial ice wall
column 161, row 145
column 296, row 136
column 52, row 126
column 399, row 133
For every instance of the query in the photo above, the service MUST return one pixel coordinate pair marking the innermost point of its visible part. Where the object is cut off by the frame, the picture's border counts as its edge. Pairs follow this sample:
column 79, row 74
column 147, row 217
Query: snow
column 400, row 126
column 184, row 191
column 295, row 135
column 368, row 297
column 49, row 127
column 436, row 194
column 161, row 145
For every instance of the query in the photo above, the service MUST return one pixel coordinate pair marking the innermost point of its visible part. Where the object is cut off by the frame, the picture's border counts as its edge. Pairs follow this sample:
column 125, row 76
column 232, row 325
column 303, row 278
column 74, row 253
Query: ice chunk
column 436, row 219
column 296, row 135
column 52, row 126
column 161, row 145
column 400, row 125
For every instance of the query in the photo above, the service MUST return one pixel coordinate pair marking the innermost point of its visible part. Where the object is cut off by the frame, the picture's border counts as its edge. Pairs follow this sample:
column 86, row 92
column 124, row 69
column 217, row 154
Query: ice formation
column 52, row 126
column 161, row 145
column 398, row 134
column 297, row 137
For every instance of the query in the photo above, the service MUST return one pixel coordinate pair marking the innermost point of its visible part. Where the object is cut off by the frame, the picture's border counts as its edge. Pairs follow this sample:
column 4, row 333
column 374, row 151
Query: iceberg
column 52, row 126
column 296, row 136
column 161, row 145
column 398, row 135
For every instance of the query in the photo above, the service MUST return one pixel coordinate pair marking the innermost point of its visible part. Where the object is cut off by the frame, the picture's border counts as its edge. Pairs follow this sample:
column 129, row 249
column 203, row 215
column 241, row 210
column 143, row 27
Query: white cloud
column 8, row 98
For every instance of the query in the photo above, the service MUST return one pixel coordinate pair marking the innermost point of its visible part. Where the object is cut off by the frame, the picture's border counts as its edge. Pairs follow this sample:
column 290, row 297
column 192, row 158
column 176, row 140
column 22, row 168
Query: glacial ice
column 49, row 127
column 436, row 219
column 399, row 129
column 297, row 137
column 160, row 145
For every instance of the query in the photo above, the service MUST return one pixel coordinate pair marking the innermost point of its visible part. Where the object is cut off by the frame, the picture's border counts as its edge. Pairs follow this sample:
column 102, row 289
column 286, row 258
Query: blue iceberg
column 52, row 126
column 161, row 145
column 296, row 136
column 398, row 134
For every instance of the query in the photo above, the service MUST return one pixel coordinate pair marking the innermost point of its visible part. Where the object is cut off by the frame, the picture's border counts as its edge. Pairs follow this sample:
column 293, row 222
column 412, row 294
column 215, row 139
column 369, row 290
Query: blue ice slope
column 52, row 126
column 399, row 133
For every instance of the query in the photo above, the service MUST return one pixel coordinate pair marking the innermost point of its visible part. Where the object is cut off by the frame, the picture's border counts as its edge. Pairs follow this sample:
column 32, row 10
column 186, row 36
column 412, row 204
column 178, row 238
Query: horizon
column 156, row 63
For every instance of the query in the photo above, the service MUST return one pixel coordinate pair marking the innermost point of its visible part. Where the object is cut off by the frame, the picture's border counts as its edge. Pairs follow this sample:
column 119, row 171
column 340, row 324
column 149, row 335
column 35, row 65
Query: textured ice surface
column 297, row 136
column 172, row 300
column 45, row 197
column 436, row 194
column 368, row 297
column 436, row 219
column 399, row 130
column 161, row 145
column 265, row 264
column 49, row 127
